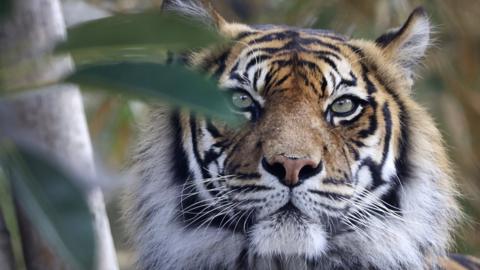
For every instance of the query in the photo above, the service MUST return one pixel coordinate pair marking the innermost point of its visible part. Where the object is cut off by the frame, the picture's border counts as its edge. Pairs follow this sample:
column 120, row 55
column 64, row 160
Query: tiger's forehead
column 274, row 55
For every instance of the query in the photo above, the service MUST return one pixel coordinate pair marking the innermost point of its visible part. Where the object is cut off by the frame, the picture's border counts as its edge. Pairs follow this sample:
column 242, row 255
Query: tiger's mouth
column 294, row 213
column 289, row 210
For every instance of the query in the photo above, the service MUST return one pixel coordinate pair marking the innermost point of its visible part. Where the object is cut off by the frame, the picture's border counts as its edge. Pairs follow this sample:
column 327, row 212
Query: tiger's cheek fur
column 244, row 145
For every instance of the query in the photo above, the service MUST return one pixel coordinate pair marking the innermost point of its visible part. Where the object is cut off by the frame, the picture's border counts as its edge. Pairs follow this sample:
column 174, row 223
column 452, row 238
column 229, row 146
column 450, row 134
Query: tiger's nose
column 291, row 171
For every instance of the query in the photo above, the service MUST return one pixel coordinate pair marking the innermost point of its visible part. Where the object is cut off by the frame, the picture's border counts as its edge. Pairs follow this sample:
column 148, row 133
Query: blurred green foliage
column 53, row 202
column 172, row 83
column 7, row 209
column 5, row 7
column 139, row 30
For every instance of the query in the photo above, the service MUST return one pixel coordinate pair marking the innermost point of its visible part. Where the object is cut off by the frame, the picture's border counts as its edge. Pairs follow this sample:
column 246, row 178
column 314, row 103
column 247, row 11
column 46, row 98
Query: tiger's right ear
column 204, row 11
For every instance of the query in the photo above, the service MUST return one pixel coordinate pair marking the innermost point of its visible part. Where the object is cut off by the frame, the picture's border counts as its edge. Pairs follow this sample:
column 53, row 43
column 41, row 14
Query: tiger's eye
column 342, row 106
column 241, row 100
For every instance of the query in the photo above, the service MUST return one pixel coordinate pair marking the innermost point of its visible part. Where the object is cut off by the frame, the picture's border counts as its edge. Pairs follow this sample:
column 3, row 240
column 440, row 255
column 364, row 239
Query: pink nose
column 290, row 171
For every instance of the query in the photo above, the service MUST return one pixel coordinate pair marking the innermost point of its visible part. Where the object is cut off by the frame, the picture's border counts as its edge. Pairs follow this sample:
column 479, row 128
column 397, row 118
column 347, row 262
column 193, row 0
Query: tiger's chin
column 288, row 234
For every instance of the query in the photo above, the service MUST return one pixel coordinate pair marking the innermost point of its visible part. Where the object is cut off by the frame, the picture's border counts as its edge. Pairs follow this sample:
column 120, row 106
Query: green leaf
column 7, row 208
column 119, row 54
column 174, row 84
column 53, row 203
column 166, row 31
column 5, row 7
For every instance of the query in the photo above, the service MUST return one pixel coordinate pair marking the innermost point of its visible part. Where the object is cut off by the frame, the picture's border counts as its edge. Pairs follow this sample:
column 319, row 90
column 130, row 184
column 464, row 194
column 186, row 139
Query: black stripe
column 245, row 34
column 370, row 87
column 350, row 83
column 330, row 195
column 241, row 79
column 180, row 167
column 219, row 61
column 354, row 151
column 307, row 81
column 213, row 130
column 310, row 41
column 268, row 79
column 372, row 126
column 256, row 60
column 256, row 76
column 358, row 143
column 196, row 152
column 388, row 131
column 250, row 188
column 324, row 53
column 465, row 261
column 329, row 62
column 290, row 46
column 247, row 176
column 242, row 260
column 356, row 50
column 336, row 181
column 211, row 155
column 221, row 64
column 334, row 80
column 372, row 120
column 281, row 80
column 324, row 85
column 376, row 172
column 274, row 36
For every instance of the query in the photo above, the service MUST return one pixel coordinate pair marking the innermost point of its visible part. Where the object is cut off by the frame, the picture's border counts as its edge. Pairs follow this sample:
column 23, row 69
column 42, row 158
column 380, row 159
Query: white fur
column 293, row 239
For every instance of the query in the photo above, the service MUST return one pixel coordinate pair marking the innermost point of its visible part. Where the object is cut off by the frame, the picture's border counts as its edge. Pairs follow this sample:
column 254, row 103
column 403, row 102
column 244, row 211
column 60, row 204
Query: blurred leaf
column 5, row 7
column 7, row 208
column 53, row 203
column 143, row 53
column 167, row 31
column 174, row 84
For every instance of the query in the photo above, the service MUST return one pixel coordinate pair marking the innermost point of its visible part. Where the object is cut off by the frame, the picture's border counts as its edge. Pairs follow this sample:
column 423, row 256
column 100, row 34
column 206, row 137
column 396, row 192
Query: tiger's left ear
column 203, row 11
column 229, row 30
column 406, row 45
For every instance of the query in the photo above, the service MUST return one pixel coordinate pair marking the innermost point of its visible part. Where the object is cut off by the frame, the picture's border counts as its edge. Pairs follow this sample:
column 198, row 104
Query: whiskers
column 370, row 216
column 201, row 206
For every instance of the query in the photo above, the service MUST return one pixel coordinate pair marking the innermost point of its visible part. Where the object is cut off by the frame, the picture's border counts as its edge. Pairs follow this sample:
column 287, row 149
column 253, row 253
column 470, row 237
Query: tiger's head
column 335, row 166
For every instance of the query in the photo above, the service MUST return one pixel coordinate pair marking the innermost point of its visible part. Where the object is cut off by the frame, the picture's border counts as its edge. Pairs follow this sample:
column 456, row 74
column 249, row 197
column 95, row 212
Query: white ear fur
column 204, row 11
column 192, row 9
column 406, row 45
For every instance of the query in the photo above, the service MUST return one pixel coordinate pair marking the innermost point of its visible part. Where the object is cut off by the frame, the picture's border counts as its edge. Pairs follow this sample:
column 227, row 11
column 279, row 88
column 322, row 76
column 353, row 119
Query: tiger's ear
column 204, row 11
column 406, row 45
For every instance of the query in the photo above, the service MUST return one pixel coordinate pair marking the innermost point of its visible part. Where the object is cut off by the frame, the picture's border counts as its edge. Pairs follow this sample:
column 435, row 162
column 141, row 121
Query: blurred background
column 448, row 84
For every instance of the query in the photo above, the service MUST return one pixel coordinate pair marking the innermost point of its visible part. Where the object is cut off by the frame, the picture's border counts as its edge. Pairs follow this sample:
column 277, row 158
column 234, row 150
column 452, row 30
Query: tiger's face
column 321, row 148
column 334, row 167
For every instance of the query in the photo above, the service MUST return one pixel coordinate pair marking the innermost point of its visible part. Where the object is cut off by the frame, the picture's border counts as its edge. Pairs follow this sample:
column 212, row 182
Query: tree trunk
column 51, row 118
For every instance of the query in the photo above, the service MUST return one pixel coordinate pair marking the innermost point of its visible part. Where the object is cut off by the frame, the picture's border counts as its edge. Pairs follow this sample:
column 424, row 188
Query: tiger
column 335, row 165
